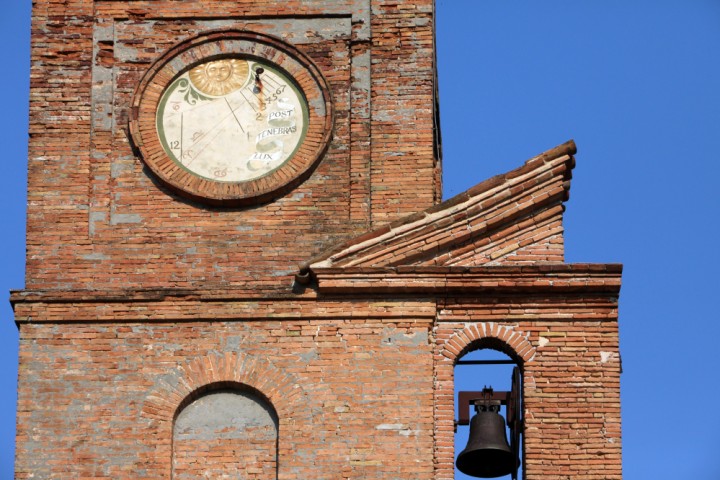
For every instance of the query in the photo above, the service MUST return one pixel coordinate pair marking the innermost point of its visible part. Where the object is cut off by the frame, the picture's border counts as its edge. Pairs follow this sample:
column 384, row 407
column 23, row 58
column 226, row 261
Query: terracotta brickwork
column 571, row 374
column 514, row 218
column 310, row 81
column 225, row 432
column 312, row 335
column 97, row 218
column 99, row 400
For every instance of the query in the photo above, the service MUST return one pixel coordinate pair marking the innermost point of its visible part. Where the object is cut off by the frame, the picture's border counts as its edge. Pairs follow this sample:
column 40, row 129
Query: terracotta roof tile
column 485, row 224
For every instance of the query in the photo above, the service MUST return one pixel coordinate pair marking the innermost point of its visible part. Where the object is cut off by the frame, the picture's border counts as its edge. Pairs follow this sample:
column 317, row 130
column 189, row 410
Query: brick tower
column 238, row 265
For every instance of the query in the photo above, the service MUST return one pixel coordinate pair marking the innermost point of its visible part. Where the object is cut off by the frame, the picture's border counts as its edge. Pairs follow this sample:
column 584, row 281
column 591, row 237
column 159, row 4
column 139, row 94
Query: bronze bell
column 487, row 454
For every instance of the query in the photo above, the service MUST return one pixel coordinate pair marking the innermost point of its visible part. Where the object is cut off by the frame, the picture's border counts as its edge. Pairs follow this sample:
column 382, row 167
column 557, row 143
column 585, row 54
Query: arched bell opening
column 488, row 409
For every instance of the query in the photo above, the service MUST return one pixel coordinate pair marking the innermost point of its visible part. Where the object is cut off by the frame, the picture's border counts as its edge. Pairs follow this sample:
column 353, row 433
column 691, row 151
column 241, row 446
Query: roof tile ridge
column 549, row 159
column 489, row 187
column 481, row 196
column 567, row 150
column 463, row 207
column 508, row 208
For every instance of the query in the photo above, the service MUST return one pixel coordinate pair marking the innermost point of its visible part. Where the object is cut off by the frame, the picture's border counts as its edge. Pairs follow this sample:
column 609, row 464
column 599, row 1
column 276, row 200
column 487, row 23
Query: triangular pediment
column 510, row 219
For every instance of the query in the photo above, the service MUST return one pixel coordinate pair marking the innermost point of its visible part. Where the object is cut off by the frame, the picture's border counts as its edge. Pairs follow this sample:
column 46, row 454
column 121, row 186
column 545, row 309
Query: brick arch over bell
column 471, row 336
column 174, row 390
column 488, row 335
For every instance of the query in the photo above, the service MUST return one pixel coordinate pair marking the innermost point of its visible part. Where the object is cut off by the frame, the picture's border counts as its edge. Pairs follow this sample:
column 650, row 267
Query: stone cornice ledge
column 579, row 278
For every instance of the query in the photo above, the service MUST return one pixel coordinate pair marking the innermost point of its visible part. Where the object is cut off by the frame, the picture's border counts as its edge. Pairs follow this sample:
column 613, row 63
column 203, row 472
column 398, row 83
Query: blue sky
column 636, row 84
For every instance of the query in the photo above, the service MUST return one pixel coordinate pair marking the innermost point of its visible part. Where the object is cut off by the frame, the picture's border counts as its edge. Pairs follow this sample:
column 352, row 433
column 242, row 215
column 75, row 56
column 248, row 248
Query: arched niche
column 225, row 431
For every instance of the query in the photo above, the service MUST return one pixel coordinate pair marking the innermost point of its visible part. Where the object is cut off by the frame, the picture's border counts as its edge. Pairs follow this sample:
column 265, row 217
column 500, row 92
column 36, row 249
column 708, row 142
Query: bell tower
column 116, row 203
column 238, row 264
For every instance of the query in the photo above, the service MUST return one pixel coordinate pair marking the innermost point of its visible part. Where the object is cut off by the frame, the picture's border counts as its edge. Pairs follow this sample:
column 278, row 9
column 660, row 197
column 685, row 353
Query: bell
column 487, row 454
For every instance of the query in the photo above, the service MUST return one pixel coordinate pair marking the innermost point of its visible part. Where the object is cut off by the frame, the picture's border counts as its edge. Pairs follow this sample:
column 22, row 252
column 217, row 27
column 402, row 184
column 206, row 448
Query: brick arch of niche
column 466, row 338
column 174, row 390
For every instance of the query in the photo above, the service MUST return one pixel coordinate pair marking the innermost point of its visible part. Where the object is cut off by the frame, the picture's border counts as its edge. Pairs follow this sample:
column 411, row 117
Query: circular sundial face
column 232, row 119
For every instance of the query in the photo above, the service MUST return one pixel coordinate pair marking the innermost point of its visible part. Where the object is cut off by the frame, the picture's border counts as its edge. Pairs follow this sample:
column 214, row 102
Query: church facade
column 239, row 264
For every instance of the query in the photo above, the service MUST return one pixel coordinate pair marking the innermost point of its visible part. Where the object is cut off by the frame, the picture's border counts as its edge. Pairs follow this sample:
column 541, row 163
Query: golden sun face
column 220, row 77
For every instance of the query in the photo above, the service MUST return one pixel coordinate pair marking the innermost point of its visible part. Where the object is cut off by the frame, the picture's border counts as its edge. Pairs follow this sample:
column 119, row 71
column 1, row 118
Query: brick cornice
column 184, row 305
column 217, row 293
column 586, row 279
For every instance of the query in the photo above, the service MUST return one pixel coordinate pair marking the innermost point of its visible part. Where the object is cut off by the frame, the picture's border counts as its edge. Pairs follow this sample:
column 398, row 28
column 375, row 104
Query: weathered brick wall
column 402, row 123
column 569, row 354
column 139, row 303
column 99, row 400
column 98, row 219
column 370, row 395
